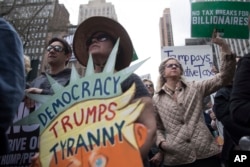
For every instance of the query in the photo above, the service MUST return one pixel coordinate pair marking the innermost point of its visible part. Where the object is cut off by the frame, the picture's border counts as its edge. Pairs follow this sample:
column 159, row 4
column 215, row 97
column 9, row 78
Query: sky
column 141, row 20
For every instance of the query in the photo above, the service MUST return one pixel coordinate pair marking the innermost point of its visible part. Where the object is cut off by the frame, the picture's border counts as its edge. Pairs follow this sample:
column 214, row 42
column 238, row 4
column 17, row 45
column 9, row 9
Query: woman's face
column 100, row 45
column 150, row 87
column 172, row 69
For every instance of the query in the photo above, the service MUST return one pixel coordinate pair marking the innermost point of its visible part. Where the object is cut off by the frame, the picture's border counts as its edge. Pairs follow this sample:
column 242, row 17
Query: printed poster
column 229, row 18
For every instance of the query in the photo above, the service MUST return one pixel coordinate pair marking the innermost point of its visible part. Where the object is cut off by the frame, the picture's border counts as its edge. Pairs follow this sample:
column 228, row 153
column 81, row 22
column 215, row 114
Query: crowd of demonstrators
column 97, row 36
column 181, row 131
column 12, row 80
column 181, row 137
column 154, row 155
column 58, row 55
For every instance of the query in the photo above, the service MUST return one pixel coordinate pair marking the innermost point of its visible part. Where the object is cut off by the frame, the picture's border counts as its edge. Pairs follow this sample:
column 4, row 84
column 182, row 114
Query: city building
column 96, row 8
column 36, row 21
column 166, row 32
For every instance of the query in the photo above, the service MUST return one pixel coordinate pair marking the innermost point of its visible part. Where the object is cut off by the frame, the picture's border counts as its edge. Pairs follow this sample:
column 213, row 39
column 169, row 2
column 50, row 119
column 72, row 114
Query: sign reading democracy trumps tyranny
column 91, row 121
column 230, row 19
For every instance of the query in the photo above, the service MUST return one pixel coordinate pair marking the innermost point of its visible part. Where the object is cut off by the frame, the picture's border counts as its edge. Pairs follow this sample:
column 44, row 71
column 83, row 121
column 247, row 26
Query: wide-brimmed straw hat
column 102, row 24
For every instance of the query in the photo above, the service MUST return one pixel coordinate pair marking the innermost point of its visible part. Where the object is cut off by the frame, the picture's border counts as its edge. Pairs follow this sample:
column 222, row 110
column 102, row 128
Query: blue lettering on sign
column 101, row 87
column 194, row 65
column 94, row 138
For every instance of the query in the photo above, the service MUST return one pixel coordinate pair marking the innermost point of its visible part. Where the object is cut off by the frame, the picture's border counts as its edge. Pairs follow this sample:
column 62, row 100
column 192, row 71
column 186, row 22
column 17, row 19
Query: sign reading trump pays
column 197, row 61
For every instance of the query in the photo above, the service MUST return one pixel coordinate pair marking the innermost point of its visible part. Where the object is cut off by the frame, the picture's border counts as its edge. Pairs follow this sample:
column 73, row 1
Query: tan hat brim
column 102, row 24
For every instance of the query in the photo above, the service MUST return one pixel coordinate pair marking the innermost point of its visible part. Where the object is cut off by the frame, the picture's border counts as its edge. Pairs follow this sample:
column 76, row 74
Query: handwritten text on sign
column 197, row 61
column 91, row 124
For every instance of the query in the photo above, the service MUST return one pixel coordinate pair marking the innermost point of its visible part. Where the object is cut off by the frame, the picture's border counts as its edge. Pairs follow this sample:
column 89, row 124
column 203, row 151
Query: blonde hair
column 27, row 64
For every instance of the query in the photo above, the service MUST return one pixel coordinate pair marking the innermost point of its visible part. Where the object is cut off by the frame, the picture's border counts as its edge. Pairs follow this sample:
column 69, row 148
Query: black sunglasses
column 99, row 38
column 172, row 65
column 56, row 48
column 149, row 85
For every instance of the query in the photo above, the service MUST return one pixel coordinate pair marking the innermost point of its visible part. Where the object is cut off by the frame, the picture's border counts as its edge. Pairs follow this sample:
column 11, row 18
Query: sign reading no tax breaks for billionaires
column 90, row 122
column 197, row 61
column 230, row 19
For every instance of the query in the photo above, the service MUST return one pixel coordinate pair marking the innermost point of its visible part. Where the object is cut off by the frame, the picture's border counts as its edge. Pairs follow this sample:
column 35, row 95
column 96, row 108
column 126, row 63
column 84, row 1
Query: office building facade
column 36, row 21
column 96, row 8
column 166, row 31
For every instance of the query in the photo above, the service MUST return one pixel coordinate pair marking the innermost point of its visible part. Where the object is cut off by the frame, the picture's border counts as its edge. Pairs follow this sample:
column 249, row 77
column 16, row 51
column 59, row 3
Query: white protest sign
column 196, row 60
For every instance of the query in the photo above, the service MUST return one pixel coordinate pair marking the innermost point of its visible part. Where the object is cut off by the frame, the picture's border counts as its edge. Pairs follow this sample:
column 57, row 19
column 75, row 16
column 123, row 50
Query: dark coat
column 232, row 131
column 12, row 80
column 240, row 98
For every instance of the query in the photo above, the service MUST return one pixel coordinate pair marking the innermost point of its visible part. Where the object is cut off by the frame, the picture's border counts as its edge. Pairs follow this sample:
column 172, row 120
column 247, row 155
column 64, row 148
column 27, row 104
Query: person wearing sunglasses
column 97, row 35
column 182, row 134
column 150, row 86
column 58, row 55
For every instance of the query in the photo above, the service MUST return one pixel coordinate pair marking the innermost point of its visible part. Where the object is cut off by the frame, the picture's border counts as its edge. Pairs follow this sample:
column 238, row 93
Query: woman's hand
column 221, row 42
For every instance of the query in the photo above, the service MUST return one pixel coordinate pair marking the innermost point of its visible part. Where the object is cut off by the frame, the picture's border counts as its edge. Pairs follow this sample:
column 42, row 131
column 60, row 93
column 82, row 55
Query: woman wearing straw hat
column 97, row 35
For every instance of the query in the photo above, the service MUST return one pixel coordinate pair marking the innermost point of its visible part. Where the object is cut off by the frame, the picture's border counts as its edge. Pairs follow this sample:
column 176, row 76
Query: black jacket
column 240, row 98
column 233, row 131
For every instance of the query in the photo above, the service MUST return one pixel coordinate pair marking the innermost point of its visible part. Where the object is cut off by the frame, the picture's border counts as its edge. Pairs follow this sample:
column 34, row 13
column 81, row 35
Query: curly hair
column 162, row 78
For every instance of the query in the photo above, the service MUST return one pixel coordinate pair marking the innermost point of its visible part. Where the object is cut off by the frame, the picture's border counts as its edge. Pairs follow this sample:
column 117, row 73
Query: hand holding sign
column 221, row 42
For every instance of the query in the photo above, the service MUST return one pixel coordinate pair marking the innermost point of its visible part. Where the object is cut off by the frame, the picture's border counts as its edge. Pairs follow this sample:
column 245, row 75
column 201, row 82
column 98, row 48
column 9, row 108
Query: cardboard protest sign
column 197, row 61
column 23, row 141
column 90, row 122
column 230, row 19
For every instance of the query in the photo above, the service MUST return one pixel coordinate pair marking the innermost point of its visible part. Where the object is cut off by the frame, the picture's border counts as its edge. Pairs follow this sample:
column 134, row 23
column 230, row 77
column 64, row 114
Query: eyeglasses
column 56, row 48
column 172, row 65
column 149, row 85
column 99, row 38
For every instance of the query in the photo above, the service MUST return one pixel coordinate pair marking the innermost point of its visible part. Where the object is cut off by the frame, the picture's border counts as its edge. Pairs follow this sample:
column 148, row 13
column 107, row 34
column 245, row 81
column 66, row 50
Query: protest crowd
column 186, row 123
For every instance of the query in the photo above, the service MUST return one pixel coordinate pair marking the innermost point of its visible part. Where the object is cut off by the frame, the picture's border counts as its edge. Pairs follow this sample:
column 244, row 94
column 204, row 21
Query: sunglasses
column 149, row 85
column 56, row 48
column 172, row 65
column 99, row 38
